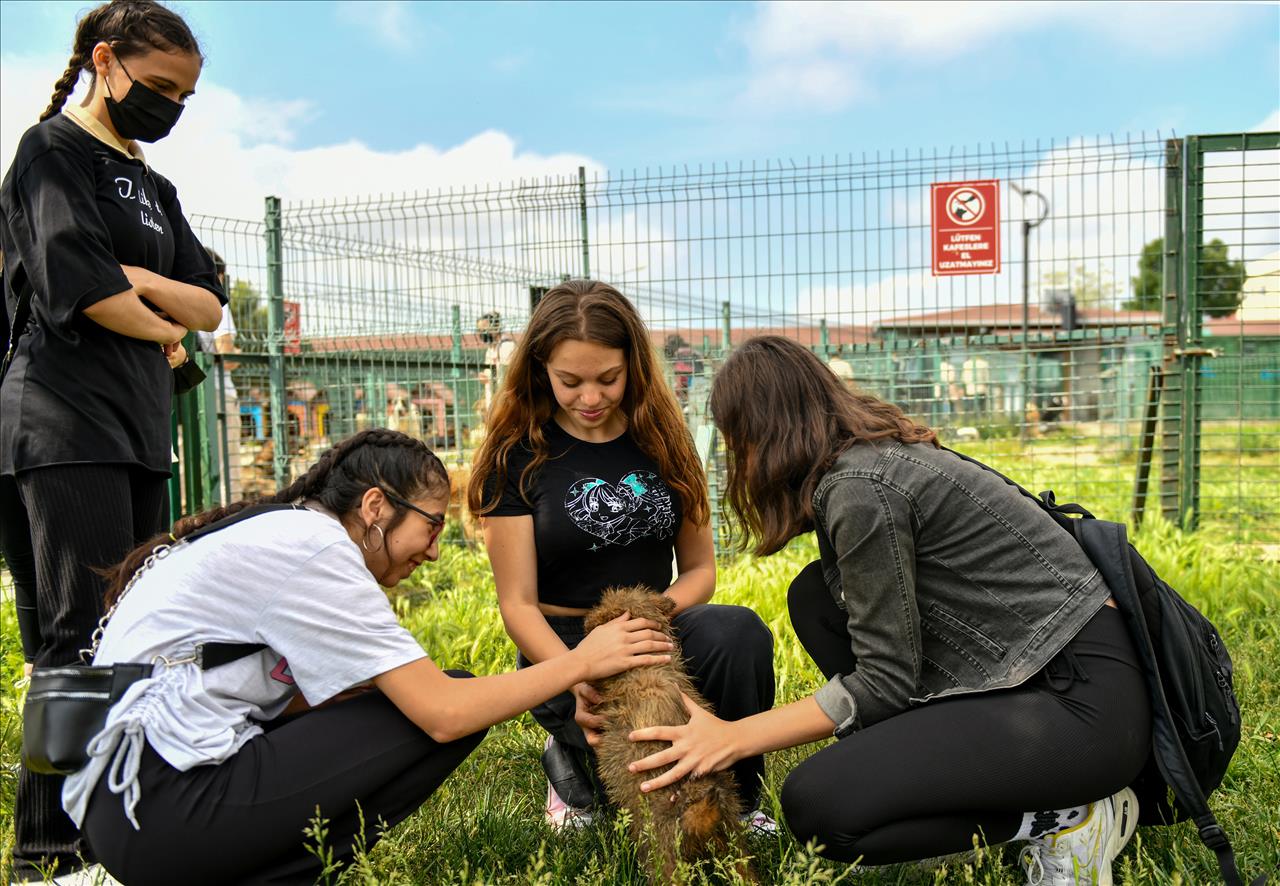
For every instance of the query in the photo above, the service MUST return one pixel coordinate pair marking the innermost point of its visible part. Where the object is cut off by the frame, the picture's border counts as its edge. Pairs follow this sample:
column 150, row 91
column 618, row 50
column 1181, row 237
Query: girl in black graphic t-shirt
column 97, row 243
column 588, row 479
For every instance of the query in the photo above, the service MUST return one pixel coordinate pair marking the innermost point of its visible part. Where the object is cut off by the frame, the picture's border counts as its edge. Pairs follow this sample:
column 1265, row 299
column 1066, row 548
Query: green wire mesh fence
column 1126, row 352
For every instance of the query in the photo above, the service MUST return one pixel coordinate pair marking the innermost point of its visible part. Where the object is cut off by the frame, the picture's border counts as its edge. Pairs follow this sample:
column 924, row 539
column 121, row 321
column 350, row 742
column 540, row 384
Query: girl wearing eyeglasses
column 209, row 773
column 96, row 243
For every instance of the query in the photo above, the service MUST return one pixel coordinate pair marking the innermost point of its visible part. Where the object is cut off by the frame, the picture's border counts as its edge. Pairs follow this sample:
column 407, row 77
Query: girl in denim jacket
column 980, row 680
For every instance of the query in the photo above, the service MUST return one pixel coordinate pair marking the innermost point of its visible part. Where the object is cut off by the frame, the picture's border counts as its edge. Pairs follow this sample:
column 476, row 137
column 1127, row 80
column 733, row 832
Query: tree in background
column 250, row 316
column 1220, row 279
column 1091, row 289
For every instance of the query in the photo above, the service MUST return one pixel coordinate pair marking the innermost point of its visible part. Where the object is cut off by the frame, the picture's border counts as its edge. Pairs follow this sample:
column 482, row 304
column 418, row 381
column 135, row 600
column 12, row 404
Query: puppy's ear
column 597, row 617
column 665, row 604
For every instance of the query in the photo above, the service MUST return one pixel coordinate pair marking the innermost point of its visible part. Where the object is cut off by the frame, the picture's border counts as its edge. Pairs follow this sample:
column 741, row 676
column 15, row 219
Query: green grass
column 485, row 824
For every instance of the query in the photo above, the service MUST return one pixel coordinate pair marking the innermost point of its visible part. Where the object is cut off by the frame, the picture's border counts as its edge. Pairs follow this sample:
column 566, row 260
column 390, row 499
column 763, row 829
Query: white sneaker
column 561, row 815
column 93, row 875
column 759, row 824
column 1082, row 855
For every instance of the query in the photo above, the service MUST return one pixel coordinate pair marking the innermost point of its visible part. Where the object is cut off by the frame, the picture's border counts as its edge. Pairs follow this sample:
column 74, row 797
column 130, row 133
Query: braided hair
column 132, row 27
column 376, row 458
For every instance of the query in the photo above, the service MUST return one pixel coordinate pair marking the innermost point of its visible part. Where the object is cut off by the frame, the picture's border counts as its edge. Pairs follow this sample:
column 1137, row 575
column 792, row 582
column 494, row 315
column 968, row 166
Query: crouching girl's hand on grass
column 622, row 644
column 704, row 745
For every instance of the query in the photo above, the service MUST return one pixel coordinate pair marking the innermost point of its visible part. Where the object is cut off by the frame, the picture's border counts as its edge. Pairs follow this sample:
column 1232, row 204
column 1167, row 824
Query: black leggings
column 923, row 782
column 242, row 821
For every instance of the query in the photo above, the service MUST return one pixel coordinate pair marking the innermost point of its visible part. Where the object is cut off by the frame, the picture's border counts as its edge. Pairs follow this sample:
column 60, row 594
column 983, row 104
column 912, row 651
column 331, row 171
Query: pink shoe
column 561, row 815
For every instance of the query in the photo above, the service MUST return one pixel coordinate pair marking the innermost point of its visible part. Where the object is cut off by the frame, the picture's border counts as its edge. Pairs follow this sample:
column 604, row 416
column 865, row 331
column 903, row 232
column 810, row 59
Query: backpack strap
column 1106, row 544
column 215, row 655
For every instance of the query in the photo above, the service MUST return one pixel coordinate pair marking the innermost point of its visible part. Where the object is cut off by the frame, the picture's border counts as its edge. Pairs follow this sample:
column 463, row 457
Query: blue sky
column 621, row 85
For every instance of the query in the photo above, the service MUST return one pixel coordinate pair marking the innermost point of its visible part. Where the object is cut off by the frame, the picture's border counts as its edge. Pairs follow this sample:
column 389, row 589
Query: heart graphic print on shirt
column 639, row 506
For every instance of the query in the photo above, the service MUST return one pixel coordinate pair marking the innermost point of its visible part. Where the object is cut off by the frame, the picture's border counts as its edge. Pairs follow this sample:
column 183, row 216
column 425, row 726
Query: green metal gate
column 356, row 312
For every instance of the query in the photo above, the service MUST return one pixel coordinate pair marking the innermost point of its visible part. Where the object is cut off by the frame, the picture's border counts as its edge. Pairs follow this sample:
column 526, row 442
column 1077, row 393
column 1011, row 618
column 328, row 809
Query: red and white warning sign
column 966, row 228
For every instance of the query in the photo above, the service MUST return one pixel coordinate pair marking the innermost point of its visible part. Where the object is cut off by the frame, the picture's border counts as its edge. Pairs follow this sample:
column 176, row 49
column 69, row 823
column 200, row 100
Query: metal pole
column 1189, row 338
column 825, row 337
column 1146, row 445
column 175, row 467
column 275, row 343
column 726, row 341
column 1171, row 287
column 582, row 206
column 1027, row 225
column 456, row 372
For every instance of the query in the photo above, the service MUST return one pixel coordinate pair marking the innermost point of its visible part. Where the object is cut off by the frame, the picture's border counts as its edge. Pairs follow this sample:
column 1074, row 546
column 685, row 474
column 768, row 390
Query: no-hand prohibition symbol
column 966, row 206
column 966, row 227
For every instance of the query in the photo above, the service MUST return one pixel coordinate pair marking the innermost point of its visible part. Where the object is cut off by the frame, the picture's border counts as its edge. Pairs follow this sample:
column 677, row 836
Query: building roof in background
column 409, row 341
column 1004, row 317
column 1234, row 325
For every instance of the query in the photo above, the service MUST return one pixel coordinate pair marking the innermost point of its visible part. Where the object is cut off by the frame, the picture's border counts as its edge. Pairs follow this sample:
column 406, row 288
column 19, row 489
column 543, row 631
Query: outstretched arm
column 447, row 709
column 708, row 744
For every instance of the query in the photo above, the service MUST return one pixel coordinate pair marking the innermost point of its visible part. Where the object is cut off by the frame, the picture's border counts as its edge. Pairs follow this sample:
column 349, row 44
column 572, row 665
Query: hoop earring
column 382, row 539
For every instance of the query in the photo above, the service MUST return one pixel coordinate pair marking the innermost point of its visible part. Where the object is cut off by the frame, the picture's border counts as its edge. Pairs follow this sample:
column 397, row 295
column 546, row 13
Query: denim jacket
column 953, row 581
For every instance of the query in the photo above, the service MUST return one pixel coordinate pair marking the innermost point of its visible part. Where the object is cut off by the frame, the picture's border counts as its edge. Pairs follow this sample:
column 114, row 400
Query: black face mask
column 143, row 113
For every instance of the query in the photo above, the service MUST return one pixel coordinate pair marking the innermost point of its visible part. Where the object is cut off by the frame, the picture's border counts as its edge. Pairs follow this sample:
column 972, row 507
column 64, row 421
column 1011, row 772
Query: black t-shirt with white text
column 602, row 517
column 72, row 211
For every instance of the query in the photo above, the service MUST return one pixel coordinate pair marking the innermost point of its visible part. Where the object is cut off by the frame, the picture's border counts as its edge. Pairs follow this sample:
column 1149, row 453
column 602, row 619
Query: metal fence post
column 726, row 340
column 1189, row 337
column 1171, row 392
column 175, row 475
column 582, row 206
column 195, row 437
column 455, row 354
column 275, row 342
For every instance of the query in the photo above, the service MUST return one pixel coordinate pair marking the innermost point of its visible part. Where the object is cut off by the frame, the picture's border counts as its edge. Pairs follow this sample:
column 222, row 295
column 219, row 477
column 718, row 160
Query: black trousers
column 20, row 559
column 242, row 821
column 921, row 783
column 82, row 517
column 728, row 652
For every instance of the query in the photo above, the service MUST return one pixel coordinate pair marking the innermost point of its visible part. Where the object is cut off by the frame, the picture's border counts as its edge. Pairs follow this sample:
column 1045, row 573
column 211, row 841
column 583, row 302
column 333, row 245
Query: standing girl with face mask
column 588, row 479
column 95, row 242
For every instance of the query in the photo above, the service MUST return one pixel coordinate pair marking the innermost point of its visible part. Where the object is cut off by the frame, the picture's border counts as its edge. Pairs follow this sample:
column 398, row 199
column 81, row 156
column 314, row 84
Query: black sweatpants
column 921, row 783
column 242, row 821
column 728, row 652
column 20, row 560
column 82, row 517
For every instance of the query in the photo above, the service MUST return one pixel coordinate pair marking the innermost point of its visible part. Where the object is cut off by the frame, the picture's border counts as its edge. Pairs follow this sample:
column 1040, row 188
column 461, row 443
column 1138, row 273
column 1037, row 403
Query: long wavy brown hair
column 590, row 311
column 785, row 418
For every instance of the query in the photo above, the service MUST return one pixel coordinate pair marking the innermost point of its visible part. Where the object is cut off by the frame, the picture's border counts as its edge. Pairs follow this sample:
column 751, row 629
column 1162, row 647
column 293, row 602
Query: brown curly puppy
column 695, row 818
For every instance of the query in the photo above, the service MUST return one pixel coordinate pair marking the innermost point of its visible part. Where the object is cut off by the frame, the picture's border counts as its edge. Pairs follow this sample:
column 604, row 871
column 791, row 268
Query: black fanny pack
column 67, row 706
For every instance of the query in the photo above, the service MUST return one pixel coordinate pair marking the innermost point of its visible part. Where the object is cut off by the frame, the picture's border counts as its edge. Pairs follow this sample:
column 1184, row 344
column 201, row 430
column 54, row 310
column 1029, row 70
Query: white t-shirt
column 293, row 580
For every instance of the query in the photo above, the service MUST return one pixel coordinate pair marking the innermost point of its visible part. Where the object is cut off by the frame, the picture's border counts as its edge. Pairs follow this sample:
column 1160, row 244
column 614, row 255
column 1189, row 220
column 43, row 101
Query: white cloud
column 389, row 22
column 813, row 54
column 372, row 269
column 229, row 152
column 1270, row 124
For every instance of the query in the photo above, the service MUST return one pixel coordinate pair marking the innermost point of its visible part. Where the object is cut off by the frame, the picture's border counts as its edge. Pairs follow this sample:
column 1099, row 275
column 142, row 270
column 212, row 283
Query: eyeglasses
column 436, row 520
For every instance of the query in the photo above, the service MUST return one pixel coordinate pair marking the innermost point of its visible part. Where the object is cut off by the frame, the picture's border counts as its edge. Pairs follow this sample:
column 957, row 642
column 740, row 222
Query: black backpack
column 1195, row 716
